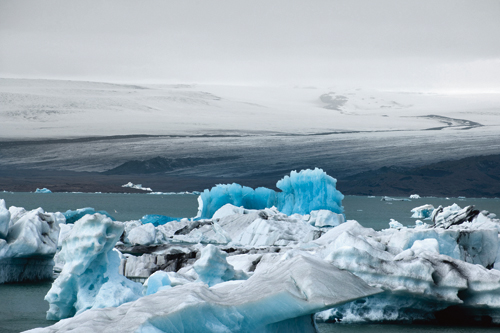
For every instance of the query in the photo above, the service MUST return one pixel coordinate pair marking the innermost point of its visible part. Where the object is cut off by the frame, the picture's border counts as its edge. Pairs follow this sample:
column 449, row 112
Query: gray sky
column 380, row 44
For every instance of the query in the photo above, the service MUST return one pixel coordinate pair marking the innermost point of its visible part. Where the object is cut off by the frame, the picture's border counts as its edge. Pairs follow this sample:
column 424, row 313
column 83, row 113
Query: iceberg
column 137, row 187
column 43, row 190
column 28, row 242
column 271, row 300
column 422, row 212
column 157, row 220
column 301, row 193
column 90, row 278
column 74, row 215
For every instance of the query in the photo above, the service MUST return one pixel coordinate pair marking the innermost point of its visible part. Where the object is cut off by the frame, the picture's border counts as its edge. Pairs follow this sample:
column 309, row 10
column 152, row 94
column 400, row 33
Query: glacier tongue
column 283, row 297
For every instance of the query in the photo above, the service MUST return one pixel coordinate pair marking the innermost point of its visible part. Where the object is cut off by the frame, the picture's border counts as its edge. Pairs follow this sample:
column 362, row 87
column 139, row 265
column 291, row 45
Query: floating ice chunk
column 453, row 215
column 325, row 218
column 393, row 199
column 137, row 186
column 157, row 281
column 395, row 224
column 308, row 190
column 157, row 220
column 28, row 245
column 74, row 215
column 43, row 190
column 142, row 235
column 4, row 219
column 302, row 192
column 89, row 278
column 422, row 212
column 212, row 200
column 34, row 233
column 414, row 196
column 212, row 267
column 277, row 300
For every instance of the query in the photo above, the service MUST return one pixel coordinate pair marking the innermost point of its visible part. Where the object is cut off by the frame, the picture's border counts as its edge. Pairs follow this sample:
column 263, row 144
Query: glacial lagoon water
column 22, row 306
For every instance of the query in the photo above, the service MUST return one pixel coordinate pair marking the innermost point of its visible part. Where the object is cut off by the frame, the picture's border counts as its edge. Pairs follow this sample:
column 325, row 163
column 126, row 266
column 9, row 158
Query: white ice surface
column 292, row 290
column 121, row 109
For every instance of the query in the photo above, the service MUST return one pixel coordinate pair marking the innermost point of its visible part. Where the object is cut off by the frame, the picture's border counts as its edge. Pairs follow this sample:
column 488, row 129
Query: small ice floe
column 137, row 186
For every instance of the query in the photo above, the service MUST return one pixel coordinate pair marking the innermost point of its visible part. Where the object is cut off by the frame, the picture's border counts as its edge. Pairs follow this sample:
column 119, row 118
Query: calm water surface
column 22, row 306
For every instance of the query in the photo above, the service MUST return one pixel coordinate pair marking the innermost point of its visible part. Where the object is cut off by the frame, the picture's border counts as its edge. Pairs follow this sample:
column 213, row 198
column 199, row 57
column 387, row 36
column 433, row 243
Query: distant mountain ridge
column 477, row 176
column 161, row 164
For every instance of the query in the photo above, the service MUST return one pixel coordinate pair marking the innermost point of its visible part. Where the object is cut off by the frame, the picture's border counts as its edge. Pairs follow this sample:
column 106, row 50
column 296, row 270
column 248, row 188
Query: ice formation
column 137, row 186
column 90, row 278
column 43, row 190
column 213, row 268
column 270, row 268
column 272, row 300
column 301, row 192
column 28, row 241
column 414, row 196
column 157, row 220
column 422, row 212
column 74, row 215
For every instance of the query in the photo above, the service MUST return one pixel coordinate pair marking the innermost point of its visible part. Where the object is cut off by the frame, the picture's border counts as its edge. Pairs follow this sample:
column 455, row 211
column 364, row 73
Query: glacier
column 301, row 193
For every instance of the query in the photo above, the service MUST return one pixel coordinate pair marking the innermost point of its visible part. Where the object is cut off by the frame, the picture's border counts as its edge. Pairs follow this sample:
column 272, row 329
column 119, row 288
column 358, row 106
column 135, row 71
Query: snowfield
column 69, row 109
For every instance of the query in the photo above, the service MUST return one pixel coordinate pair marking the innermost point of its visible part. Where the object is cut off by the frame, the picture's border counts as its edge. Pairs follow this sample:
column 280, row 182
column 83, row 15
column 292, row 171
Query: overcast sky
column 372, row 43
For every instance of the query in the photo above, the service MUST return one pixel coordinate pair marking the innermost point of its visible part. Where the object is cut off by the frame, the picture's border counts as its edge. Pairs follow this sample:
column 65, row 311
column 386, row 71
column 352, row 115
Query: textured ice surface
column 422, row 212
column 28, row 241
column 301, row 192
column 157, row 220
column 90, row 278
column 74, row 215
column 272, row 300
column 213, row 268
column 4, row 219
column 437, row 265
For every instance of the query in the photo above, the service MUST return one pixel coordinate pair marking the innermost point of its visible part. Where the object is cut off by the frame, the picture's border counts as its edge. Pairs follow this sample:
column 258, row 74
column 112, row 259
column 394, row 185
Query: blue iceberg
column 157, row 220
column 301, row 192
column 43, row 190
column 74, row 215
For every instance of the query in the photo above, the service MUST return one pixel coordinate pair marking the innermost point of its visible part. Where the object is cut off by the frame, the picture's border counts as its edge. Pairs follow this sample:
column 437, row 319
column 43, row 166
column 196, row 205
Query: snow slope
column 61, row 109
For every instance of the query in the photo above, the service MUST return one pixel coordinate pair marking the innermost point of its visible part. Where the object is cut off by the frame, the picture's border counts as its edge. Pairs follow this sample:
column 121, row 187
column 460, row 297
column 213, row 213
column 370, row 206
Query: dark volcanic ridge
column 161, row 164
column 477, row 176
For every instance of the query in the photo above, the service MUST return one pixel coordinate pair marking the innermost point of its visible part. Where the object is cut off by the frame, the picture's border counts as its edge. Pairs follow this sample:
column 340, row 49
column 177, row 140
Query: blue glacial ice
column 422, row 212
column 282, row 299
column 157, row 220
column 212, row 267
column 28, row 242
column 90, row 278
column 43, row 190
column 74, row 215
column 301, row 193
